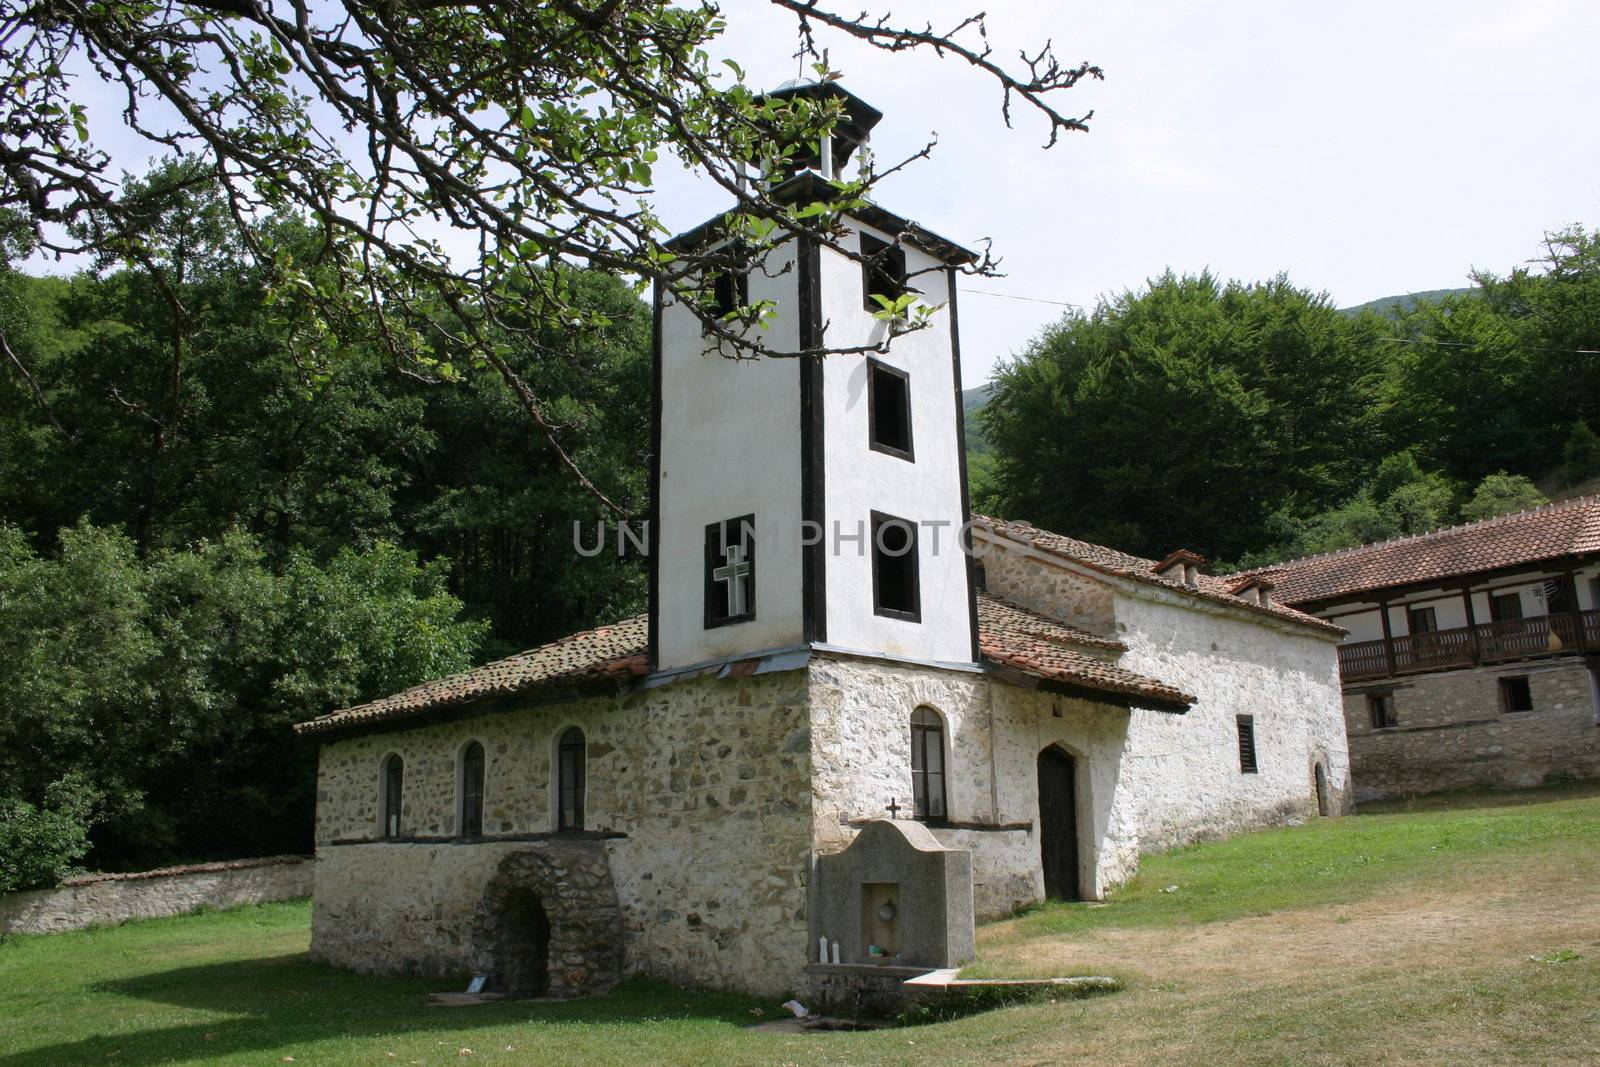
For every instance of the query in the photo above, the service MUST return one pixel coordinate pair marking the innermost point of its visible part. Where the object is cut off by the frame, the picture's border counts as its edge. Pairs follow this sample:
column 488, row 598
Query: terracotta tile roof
column 1124, row 565
column 610, row 652
column 1024, row 641
column 1010, row 636
column 1569, row 528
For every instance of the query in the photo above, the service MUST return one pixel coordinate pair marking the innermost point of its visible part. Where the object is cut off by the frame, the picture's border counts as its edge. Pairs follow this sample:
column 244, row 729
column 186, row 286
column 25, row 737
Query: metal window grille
column 571, row 756
column 472, row 791
column 927, row 766
column 394, row 774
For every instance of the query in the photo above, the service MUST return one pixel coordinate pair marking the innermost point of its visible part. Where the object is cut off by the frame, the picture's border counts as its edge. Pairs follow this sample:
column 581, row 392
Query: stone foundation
column 1453, row 733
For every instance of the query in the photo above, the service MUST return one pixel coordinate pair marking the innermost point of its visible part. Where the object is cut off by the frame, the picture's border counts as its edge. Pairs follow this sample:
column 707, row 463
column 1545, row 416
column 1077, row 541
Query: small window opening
column 894, row 568
column 1505, row 607
column 888, row 409
column 394, row 774
column 927, row 766
column 571, row 770
column 1422, row 621
column 1381, row 707
column 472, row 791
column 730, row 589
column 1247, row 744
column 883, row 272
column 730, row 291
column 1515, row 695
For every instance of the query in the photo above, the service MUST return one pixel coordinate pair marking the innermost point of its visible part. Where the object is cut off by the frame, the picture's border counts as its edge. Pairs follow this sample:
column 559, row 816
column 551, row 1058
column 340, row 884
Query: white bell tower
column 815, row 501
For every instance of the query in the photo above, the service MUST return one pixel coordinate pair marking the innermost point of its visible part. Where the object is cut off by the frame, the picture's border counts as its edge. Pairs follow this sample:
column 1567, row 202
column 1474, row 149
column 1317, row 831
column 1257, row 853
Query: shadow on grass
column 281, row 1003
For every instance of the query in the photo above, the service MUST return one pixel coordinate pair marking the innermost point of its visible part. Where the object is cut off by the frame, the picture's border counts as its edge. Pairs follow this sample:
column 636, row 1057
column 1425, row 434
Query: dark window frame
column 1249, row 757
column 1427, row 612
column 880, row 561
column 572, row 778
column 1381, row 710
column 928, row 736
column 1515, row 690
column 1499, row 613
column 883, row 271
column 730, row 289
column 394, row 779
column 473, row 766
column 877, row 372
column 715, row 557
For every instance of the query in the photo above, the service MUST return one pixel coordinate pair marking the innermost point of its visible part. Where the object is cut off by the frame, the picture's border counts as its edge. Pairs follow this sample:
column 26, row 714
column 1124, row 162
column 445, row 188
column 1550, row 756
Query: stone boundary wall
column 105, row 899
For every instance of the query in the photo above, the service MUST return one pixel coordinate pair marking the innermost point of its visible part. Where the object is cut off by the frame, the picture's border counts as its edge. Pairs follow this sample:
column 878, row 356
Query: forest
column 1254, row 422
column 205, row 536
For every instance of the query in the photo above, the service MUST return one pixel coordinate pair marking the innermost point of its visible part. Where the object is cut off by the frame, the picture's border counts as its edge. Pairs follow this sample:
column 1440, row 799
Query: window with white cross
column 731, row 571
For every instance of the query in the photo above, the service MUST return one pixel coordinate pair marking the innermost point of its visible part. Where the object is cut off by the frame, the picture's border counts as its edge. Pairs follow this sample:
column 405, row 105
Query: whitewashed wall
column 730, row 446
column 860, row 480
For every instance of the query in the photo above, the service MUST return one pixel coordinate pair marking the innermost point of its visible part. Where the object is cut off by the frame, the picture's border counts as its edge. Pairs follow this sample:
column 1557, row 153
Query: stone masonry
column 698, row 792
column 1454, row 734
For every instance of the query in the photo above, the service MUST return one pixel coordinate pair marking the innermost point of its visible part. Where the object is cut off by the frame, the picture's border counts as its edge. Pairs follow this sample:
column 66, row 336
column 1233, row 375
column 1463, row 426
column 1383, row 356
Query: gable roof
column 1123, row 565
column 593, row 657
column 1022, row 640
column 614, row 655
column 1568, row 528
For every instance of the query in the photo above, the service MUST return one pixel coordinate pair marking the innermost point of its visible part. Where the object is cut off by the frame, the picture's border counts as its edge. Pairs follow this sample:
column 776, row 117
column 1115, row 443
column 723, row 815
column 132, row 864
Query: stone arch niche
column 550, row 924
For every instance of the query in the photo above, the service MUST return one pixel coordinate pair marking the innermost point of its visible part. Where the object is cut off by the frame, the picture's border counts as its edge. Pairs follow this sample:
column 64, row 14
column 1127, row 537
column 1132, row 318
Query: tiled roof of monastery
column 1009, row 636
column 608, row 653
column 1022, row 640
column 1109, row 560
column 1569, row 528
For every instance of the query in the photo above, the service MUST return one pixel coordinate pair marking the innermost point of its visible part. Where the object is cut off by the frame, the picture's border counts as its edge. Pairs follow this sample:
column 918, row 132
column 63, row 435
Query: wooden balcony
column 1490, row 642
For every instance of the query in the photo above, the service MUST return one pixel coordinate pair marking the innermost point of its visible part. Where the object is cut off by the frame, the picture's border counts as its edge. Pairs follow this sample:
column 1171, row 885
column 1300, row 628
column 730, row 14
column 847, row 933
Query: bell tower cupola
column 814, row 494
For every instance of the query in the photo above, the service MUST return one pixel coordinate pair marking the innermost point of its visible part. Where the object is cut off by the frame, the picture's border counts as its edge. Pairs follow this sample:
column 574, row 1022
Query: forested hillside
column 1255, row 422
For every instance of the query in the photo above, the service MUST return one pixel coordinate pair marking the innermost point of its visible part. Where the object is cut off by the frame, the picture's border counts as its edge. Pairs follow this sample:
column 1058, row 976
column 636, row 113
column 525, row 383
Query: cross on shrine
column 734, row 572
column 893, row 807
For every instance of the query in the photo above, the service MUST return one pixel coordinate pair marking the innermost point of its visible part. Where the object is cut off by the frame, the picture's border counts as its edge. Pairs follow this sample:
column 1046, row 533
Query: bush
column 39, row 845
column 1501, row 494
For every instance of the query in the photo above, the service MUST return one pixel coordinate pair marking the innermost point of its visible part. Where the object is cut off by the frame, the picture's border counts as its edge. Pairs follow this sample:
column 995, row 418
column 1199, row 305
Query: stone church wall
column 705, row 781
column 1453, row 733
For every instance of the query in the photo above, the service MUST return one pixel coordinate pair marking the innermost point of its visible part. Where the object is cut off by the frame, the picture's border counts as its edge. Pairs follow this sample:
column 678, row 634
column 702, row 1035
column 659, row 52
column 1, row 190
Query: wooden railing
column 1490, row 642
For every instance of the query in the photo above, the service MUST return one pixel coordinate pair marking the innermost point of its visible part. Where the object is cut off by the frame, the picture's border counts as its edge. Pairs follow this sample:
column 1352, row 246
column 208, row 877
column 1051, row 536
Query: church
column 855, row 720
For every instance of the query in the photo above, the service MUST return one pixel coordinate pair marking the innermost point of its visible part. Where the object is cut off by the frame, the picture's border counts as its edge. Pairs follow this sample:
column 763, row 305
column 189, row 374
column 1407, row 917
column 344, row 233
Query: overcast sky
column 1364, row 148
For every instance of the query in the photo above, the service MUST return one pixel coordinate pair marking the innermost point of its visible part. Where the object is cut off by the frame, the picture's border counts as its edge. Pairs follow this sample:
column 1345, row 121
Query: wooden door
column 1058, row 824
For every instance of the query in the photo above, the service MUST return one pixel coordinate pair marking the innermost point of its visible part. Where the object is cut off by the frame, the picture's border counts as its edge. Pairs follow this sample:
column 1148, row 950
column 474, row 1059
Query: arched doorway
column 1058, row 824
column 522, row 954
column 1324, row 801
column 550, row 924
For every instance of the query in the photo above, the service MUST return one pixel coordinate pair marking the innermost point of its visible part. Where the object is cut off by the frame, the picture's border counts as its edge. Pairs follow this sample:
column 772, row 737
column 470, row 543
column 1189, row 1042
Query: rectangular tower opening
column 895, row 590
column 888, row 409
column 884, row 272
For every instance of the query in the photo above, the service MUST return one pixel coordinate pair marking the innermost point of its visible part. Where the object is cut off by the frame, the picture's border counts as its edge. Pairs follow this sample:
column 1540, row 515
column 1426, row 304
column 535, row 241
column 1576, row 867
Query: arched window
column 927, row 766
column 394, row 779
column 472, row 790
column 571, row 755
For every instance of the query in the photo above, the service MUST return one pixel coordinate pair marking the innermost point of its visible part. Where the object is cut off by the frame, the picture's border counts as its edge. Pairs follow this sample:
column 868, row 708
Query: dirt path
column 1511, row 918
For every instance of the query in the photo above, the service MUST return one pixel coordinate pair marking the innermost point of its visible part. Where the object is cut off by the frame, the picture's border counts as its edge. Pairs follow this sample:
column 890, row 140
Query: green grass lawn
column 1334, row 861
column 237, row 986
